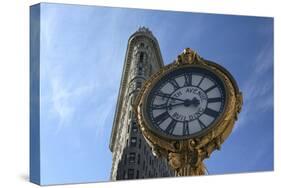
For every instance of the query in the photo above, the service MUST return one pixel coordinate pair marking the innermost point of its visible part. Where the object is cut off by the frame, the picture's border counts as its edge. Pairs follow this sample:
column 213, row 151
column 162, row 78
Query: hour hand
column 172, row 105
column 195, row 101
column 161, row 106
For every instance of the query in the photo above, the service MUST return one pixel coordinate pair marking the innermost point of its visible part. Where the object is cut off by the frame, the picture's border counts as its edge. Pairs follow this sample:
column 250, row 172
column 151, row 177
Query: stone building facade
column 132, row 157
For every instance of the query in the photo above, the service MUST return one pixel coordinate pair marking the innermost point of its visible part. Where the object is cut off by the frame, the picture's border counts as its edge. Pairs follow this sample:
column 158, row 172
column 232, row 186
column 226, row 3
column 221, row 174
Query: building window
column 132, row 157
column 146, row 170
column 137, row 174
column 140, row 70
column 134, row 128
column 124, row 175
column 138, row 158
column 150, row 69
column 139, row 143
column 138, row 84
column 142, row 44
column 130, row 173
column 125, row 159
column 141, row 57
column 133, row 142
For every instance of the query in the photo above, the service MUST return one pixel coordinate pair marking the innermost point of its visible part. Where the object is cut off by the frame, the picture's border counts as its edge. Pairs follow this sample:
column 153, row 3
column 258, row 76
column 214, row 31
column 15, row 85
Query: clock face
column 185, row 102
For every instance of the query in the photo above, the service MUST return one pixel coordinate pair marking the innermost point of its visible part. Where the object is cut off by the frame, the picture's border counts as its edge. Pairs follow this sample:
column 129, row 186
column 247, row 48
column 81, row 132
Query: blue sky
column 82, row 55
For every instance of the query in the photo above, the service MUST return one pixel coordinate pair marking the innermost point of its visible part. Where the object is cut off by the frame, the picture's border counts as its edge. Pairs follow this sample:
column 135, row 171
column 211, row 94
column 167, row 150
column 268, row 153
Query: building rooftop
column 144, row 30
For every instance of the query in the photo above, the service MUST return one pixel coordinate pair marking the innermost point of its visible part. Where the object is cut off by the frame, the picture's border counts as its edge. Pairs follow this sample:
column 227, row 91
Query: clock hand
column 186, row 103
column 172, row 105
column 167, row 106
column 195, row 101
column 162, row 95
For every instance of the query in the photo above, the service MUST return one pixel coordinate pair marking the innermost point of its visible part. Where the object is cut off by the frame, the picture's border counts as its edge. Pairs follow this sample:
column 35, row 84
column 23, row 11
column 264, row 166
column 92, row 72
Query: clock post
column 186, row 110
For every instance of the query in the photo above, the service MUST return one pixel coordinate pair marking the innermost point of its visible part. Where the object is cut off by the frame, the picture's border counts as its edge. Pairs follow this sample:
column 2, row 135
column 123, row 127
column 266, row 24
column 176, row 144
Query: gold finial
column 188, row 56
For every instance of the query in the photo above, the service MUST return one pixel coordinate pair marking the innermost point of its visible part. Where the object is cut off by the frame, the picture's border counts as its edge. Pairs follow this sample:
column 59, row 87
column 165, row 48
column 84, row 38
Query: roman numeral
column 212, row 100
column 210, row 88
column 171, row 127
column 174, row 83
column 211, row 112
column 202, row 125
column 185, row 128
column 162, row 117
column 188, row 79
column 202, row 78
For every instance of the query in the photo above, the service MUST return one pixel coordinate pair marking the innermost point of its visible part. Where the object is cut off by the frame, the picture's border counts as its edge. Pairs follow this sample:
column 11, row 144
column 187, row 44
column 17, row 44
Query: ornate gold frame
column 186, row 156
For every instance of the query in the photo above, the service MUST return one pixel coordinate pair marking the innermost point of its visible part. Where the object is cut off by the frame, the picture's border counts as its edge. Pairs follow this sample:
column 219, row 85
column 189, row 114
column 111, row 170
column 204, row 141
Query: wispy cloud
column 258, row 89
column 103, row 113
column 79, row 87
column 265, row 59
column 64, row 101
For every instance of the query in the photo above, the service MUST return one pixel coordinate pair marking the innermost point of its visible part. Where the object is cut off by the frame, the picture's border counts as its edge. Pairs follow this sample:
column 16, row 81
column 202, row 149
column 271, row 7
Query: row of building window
column 134, row 85
column 132, row 158
column 140, row 71
column 134, row 127
column 130, row 174
column 133, row 142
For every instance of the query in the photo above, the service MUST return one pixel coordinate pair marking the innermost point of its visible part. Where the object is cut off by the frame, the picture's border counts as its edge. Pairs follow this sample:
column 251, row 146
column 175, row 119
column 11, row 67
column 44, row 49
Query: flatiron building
column 132, row 158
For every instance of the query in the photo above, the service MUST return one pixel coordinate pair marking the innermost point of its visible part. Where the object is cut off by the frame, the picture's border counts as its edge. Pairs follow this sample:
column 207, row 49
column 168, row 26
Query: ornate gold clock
column 186, row 110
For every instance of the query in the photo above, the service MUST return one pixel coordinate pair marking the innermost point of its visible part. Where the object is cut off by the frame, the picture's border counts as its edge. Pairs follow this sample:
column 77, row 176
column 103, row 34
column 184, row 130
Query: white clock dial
column 185, row 102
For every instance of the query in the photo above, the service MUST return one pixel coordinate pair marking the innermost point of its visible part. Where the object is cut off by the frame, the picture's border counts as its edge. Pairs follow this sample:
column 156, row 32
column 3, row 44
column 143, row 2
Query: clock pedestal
column 183, row 165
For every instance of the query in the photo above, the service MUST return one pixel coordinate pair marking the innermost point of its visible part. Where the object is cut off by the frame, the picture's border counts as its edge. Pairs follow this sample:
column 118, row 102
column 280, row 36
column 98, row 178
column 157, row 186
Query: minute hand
column 169, row 106
column 170, row 97
column 186, row 103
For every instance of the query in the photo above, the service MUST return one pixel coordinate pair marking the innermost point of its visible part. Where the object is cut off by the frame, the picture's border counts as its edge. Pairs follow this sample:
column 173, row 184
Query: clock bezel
column 164, row 72
column 185, row 156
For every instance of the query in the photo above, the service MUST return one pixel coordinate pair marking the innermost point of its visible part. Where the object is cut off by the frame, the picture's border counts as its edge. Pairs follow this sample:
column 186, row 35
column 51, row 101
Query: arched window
column 141, row 56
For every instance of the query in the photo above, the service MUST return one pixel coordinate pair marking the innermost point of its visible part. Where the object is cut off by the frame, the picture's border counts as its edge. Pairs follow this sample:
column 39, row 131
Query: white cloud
column 64, row 100
column 103, row 112
column 258, row 89
column 265, row 59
